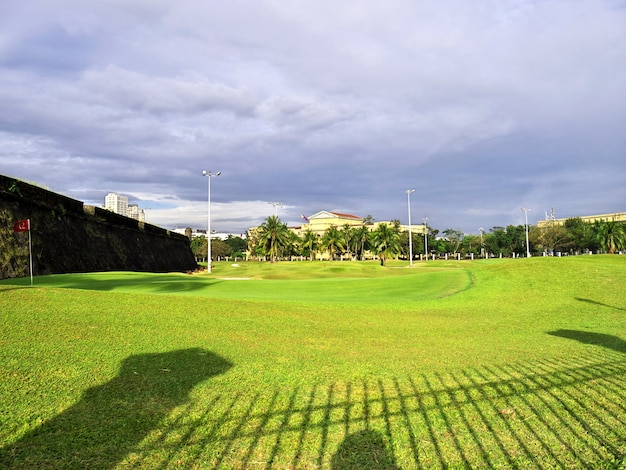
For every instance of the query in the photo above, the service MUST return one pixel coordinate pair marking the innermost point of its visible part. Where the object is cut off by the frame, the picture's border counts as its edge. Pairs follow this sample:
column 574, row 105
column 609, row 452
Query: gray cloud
column 482, row 107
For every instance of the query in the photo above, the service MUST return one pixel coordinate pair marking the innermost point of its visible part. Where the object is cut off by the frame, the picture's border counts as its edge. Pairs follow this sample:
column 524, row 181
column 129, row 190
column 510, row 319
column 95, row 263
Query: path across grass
column 499, row 363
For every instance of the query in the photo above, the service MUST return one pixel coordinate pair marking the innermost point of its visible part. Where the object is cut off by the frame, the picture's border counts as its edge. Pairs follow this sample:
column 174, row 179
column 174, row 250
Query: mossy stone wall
column 68, row 236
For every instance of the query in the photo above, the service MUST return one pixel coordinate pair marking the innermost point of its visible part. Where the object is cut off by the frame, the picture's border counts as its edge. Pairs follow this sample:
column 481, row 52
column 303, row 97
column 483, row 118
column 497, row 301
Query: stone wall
column 68, row 236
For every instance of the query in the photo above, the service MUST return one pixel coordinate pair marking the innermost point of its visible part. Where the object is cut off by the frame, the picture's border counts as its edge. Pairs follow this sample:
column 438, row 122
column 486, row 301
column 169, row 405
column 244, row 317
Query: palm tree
column 310, row 242
column 332, row 241
column 273, row 234
column 348, row 235
column 362, row 236
column 611, row 235
column 385, row 242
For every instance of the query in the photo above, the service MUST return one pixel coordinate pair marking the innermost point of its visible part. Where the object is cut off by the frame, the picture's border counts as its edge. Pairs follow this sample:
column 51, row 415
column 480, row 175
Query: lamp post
column 525, row 211
column 408, row 198
column 276, row 206
column 482, row 250
column 208, row 174
column 425, row 222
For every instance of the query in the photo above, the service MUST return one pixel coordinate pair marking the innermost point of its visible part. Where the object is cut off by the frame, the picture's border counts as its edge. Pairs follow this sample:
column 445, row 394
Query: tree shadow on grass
column 589, row 301
column 111, row 419
column 363, row 450
column 155, row 283
column 587, row 337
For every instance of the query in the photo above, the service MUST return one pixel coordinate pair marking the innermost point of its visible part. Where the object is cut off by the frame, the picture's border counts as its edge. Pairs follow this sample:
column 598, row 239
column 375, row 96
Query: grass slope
column 499, row 363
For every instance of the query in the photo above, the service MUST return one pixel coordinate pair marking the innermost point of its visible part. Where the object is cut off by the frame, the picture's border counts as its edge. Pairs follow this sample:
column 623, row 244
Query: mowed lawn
column 343, row 365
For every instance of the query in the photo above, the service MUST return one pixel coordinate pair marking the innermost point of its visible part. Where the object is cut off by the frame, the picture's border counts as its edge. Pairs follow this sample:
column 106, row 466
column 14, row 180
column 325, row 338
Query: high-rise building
column 116, row 203
column 135, row 212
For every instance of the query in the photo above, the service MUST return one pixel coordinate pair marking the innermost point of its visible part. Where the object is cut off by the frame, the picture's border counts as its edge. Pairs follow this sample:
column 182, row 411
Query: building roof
column 334, row 215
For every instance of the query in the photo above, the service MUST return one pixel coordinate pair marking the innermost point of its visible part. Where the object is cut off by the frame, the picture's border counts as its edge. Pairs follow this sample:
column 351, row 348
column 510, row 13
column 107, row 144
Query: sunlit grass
column 498, row 363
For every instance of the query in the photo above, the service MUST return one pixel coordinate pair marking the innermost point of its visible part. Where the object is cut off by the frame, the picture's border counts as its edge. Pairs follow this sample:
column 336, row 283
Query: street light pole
column 408, row 197
column 276, row 206
column 425, row 222
column 525, row 211
column 482, row 250
column 208, row 174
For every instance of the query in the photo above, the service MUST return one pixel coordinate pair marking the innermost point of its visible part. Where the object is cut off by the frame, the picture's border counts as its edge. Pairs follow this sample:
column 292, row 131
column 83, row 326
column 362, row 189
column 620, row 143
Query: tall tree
column 580, row 235
column 610, row 235
column 361, row 237
column 309, row 242
column 273, row 234
column 236, row 244
column 332, row 241
column 471, row 244
column 348, row 233
column 199, row 247
column 220, row 249
column 368, row 220
column 552, row 237
column 385, row 242
column 454, row 238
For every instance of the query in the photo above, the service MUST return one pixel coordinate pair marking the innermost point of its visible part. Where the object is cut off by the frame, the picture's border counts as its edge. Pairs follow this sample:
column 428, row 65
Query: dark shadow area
column 153, row 283
column 111, row 419
column 587, row 337
column 566, row 412
column 589, row 301
column 501, row 416
column 364, row 450
column 7, row 289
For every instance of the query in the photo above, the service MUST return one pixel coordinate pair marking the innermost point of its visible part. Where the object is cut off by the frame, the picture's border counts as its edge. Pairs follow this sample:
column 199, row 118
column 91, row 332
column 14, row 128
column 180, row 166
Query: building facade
column 319, row 222
column 136, row 212
column 116, row 203
column 119, row 204
column 613, row 217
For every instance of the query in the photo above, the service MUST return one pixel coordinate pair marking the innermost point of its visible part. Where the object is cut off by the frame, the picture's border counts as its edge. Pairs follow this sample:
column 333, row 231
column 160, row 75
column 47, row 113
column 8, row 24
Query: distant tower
column 116, row 203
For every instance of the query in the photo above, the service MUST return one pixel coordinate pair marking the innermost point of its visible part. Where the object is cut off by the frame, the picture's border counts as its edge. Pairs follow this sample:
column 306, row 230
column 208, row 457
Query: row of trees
column 274, row 240
column 578, row 236
column 234, row 247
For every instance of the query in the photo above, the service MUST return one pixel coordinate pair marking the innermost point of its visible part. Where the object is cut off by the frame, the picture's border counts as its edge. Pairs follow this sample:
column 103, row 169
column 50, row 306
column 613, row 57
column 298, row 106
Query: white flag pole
column 30, row 254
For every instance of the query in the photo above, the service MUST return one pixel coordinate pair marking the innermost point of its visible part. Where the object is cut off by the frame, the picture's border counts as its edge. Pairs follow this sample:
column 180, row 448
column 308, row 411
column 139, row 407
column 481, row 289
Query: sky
column 482, row 107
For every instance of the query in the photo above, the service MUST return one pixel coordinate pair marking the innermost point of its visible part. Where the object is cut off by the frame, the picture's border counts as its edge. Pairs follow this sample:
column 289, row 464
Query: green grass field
column 341, row 365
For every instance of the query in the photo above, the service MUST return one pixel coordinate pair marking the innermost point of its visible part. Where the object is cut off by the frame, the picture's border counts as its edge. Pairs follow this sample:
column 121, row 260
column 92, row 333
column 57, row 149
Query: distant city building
column 135, row 212
column 119, row 204
column 613, row 217
column 116, row 203
column 198, row 232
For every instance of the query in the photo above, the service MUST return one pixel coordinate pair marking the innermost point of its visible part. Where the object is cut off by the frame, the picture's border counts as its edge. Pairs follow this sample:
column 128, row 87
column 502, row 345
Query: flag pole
column 30, row 254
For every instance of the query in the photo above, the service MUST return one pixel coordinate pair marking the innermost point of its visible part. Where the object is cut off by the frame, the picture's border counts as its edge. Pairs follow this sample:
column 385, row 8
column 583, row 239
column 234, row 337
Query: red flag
column 22, row 226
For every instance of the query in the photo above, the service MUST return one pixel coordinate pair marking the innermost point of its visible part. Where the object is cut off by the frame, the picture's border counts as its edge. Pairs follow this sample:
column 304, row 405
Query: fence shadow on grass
column 556, row 413
column 111, row 419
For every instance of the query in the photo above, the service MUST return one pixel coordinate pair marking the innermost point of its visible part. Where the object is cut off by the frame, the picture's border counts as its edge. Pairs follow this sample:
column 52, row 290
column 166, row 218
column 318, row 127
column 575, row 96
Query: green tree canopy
column 333, row 241
column 273, row 234
column 385, row 242
column 610, row 235
column 199, row 247
column 310, row 243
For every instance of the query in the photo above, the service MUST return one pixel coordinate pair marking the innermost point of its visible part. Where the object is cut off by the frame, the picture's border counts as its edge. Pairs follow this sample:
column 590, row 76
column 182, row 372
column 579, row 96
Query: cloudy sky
column 482, row 106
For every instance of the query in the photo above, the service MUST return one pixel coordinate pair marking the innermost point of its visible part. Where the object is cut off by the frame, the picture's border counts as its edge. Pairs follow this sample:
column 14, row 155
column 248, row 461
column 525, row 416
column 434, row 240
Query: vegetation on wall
column 70, row 237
